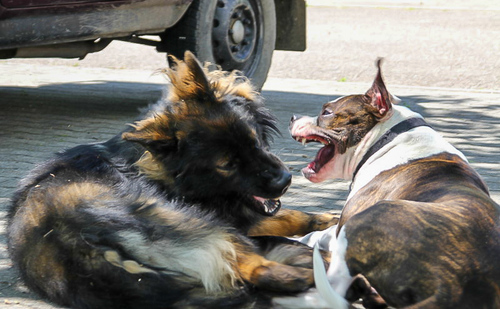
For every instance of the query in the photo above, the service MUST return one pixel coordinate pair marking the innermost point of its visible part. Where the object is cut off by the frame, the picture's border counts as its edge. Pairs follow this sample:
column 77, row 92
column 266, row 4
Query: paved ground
column 47, row 107
column 49, row 111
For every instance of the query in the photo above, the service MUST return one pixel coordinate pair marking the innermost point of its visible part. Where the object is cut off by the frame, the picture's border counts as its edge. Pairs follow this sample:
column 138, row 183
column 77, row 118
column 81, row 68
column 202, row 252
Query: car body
column 235, row 34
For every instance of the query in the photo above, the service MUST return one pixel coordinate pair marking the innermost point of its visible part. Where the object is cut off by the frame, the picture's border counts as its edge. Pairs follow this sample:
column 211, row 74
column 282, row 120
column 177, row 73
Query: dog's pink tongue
column 323, row 156
column 308, row 171
column 311, row 166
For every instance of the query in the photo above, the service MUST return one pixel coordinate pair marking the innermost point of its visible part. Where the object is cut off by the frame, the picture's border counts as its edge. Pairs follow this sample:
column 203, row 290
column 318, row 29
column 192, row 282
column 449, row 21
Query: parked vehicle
column 235, row 34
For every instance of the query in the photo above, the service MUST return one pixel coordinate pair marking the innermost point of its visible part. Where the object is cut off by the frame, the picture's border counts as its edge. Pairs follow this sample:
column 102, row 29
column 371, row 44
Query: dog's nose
column 285, row 181
column 278, row 182
column 292, row 120
column 294, row 117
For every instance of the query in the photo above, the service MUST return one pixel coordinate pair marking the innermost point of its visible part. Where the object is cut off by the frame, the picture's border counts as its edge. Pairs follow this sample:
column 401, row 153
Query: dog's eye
column 226, row 164
column 354, row 121
column 326, row 112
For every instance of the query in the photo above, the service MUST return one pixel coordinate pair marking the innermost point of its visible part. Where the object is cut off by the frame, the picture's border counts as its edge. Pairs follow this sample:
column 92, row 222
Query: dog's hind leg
column 288, row 222
column 236, row 257
column 81, row 245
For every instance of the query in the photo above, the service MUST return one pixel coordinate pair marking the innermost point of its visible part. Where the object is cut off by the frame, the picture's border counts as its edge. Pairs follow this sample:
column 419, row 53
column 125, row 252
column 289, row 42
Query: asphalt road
column 442, row 62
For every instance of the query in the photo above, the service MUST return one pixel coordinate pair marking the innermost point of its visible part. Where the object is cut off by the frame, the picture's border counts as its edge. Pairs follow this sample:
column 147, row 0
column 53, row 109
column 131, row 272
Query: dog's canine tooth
column 304, row 141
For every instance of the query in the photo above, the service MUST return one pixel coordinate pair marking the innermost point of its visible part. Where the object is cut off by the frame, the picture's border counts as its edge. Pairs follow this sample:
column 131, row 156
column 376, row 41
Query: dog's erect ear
column 189, row 81
column 378, row 96
column 153, row 133
column 199, row 76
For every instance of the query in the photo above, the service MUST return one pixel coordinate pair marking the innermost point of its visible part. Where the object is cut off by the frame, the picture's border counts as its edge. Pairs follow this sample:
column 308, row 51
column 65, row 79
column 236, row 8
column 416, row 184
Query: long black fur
column 69, row 219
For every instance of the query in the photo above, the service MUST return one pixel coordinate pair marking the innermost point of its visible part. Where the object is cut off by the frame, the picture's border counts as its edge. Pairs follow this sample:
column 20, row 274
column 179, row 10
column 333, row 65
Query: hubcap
column 234, row 35
column 238, row 32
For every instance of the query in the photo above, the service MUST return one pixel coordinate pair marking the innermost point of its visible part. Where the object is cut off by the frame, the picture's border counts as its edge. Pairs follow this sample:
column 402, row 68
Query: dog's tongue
column 324, row 155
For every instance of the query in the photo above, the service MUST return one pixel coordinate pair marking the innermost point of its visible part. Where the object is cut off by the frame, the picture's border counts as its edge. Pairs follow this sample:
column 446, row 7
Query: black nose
column 285, row 181
column 278, row 183
column 293, row 119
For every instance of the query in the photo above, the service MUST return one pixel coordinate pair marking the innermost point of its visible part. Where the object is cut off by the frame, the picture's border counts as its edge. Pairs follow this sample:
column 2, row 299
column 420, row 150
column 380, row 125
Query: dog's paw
column 360, row 288
column 323, row 221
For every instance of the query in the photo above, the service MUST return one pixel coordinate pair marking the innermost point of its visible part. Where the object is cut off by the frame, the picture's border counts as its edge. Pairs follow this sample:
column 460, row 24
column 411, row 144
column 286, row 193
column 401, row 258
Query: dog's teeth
column 304, row 141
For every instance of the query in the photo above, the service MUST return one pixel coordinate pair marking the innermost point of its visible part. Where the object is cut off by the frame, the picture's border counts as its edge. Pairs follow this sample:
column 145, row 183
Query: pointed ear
column 188, row 80
column 153, row 134
column 172, row 62
column 377, row 95
column 197, row 72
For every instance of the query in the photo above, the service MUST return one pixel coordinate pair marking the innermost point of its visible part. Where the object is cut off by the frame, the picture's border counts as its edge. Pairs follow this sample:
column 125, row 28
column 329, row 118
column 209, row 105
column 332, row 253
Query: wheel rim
column 237, row 35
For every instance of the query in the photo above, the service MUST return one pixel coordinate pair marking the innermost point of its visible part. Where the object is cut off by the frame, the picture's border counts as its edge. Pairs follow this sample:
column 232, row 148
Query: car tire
column 234, row 34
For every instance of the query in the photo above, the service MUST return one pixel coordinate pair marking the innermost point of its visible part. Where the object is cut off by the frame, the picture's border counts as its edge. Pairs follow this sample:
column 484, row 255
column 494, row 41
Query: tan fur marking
column 225, row 84
column 272, row 275
column 63, row 198
column 134, row 268
column 293, row 223
column 154, row 128
column 150, row 167
column 113, row 257
column 184, row 86
column 222, row 166
column 130, row 266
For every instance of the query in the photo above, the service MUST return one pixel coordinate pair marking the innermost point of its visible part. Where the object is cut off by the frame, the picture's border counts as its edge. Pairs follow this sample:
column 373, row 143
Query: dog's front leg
column 361, row 288
column 273, row 276
column 290, row 223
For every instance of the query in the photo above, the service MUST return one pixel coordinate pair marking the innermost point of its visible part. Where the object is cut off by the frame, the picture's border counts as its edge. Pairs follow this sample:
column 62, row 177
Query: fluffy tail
column 334, row 299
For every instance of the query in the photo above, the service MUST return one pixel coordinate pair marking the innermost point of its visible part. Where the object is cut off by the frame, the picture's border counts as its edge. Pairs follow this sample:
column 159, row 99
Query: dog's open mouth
column 324, row 155
column 268, row 207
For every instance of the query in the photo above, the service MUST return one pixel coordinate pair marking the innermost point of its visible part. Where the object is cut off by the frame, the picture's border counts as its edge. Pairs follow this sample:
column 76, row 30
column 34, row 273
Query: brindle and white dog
column 418, row 224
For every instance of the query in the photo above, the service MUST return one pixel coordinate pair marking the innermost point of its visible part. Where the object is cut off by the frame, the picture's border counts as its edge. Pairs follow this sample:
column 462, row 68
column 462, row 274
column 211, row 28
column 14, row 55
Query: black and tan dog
column 419, row 223
column 160, row 216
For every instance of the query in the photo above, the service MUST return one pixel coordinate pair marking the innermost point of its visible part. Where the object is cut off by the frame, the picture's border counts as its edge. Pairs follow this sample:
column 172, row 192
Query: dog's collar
column 391, row 134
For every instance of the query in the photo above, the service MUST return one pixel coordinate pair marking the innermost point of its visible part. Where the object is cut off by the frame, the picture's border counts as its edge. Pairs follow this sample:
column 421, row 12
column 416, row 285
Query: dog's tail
column 334, row 299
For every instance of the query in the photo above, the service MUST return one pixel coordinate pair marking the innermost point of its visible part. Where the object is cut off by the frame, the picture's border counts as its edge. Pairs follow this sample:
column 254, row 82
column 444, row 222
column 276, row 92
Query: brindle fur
column 426, row 233
column 439, row 234
column 158, row 216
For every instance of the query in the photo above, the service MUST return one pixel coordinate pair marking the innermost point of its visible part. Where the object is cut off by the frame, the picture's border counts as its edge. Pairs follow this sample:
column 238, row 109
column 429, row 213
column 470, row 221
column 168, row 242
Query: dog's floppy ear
column 377, row 95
